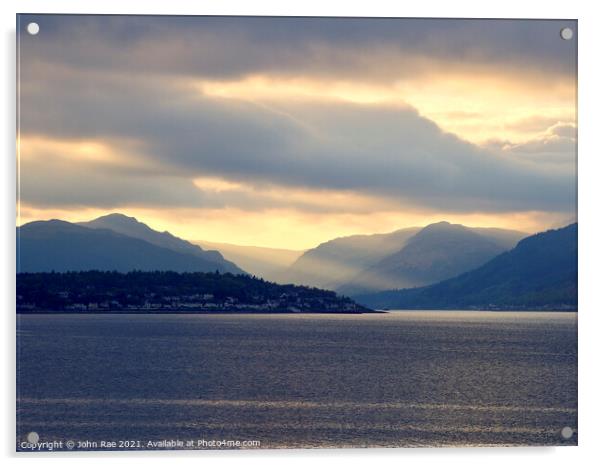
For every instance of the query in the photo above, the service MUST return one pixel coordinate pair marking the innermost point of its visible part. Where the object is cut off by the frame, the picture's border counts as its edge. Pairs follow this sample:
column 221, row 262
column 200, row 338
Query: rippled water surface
column 397, row 379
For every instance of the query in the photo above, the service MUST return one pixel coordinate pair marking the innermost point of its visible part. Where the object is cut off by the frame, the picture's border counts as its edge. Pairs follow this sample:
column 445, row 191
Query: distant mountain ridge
column 350, row 265
column 403, row 258
column 437, row 252
column 130, row 226
column 540, row 272
column 44, row 246
column 333, row 263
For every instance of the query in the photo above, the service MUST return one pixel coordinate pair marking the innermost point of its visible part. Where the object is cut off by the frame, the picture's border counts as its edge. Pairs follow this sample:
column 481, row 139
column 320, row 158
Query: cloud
column 51, row 177
column 564, row 131
column 556, row 147
column 378, row 150
column 352, row 48
column 87, row 173
column 126, row 85
column 532, row 123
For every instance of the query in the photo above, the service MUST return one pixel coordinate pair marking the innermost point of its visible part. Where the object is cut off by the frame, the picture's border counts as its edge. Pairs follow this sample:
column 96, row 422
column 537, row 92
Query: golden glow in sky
column 477, row 107
column 289, row 229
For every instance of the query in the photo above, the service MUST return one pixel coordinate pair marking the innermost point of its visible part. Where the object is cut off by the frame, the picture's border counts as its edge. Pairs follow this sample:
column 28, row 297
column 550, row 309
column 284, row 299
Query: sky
column 288, row 132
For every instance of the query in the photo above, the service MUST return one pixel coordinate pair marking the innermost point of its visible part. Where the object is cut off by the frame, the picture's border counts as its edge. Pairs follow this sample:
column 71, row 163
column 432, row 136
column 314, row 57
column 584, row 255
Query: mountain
column 129, row 226
column 267, row 263
column 437, row 252
column 540, row 272
column 61, row 246
column 337, row 261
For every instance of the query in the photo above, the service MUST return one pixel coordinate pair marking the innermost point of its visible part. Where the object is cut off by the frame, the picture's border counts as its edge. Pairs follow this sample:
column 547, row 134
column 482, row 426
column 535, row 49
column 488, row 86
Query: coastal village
column 53, row 292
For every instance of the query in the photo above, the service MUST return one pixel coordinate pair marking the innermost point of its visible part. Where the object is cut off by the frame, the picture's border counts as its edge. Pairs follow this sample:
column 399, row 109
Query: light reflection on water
column 407, row 378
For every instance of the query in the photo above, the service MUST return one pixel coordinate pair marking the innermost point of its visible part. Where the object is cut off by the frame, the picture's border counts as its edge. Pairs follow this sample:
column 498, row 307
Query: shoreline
column 147, row 312
column 239, row 312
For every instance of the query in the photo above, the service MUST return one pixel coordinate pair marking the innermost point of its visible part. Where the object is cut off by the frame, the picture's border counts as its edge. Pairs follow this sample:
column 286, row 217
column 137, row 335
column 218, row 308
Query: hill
column 539, row 273
column 44, row 246
column 437, row 252
column 130, row 226
column 337, row 261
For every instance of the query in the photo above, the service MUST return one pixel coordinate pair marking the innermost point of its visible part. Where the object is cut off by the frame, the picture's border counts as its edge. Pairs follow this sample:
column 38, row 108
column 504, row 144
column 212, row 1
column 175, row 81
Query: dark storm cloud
column 230, row 47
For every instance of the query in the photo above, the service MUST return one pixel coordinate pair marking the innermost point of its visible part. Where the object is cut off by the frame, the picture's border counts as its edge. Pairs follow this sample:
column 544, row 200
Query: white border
column 590, row 221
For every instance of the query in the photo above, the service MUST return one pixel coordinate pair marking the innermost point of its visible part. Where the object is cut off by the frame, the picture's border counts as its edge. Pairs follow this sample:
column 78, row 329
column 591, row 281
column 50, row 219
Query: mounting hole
column 566, row 432
column 566, row 33
column 33, row 437
column 33, row 28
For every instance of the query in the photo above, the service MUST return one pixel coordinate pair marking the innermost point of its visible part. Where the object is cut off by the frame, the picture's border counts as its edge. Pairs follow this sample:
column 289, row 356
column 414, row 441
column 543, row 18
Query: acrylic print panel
column 252, row 232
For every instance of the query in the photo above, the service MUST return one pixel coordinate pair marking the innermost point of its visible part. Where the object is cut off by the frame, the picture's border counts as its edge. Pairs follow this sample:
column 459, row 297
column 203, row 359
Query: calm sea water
column 397, row 379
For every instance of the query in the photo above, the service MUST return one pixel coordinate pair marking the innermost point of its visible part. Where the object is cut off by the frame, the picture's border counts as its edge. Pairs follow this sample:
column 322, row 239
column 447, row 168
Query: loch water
column 407, row 379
